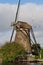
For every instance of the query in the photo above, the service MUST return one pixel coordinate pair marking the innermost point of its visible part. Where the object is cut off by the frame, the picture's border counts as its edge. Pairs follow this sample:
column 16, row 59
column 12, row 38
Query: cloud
column 5, row 37
column 7, row 15
column 29, row 12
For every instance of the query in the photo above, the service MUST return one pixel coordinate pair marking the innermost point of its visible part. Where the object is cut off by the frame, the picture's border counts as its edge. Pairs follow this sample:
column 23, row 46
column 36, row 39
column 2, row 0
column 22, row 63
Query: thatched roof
column 24, row 25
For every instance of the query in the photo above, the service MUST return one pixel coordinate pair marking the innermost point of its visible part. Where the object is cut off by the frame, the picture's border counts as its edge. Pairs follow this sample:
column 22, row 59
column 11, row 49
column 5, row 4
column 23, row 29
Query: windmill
column 23, row 35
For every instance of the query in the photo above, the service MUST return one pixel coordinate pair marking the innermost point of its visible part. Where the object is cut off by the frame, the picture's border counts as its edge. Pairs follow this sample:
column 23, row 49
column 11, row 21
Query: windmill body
column 22, row 32
column 23, row 37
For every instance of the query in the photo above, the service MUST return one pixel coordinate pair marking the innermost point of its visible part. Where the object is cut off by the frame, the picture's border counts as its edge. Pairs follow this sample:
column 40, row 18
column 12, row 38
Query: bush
column 11, row 51
column 42, row 53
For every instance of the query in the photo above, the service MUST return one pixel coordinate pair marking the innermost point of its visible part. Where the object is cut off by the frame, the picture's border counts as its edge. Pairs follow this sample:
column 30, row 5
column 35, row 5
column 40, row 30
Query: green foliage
column 38, row 57
column 42, row 53
column 11, row 51
column 36, row 49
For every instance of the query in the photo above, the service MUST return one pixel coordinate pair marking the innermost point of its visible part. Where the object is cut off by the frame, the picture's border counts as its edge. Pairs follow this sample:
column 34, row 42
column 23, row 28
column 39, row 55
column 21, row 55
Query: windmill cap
column 23, row 25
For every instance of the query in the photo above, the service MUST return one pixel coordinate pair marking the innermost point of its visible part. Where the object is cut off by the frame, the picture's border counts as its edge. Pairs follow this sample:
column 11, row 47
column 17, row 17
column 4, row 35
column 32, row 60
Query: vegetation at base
column 36, row 49
column 11, row 51
column 41, row 52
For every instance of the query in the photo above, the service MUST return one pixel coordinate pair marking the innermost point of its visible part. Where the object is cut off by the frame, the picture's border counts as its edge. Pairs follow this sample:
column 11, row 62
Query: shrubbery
column 42, row 53
column 11, row 51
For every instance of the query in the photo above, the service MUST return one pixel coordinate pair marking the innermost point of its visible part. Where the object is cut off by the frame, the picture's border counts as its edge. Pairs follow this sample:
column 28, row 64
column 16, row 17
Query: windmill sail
column 15, row 20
